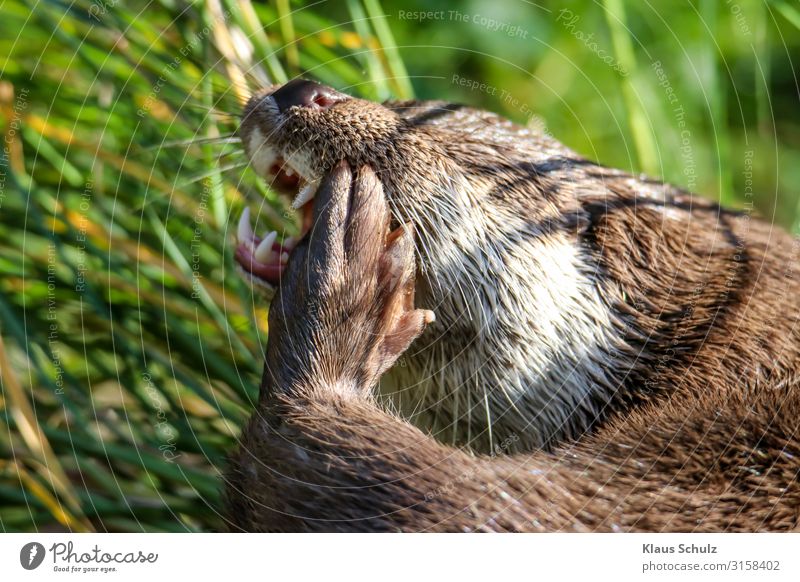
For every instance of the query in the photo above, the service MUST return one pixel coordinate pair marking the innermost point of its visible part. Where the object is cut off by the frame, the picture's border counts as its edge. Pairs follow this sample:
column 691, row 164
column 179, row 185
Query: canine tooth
column 284, row 258
column 306, row 194
column 244, row 232
column 288, row 170
column 289, row 242
column 263, row 252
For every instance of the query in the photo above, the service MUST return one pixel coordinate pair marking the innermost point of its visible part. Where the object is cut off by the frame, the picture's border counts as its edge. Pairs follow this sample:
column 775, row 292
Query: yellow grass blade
column 39, row 447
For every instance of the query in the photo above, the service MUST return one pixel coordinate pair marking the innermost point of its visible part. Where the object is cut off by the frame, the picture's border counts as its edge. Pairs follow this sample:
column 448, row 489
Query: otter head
column 520, row 327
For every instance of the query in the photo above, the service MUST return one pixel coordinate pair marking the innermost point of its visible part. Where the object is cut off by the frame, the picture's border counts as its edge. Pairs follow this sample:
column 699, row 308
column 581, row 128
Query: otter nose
column 305, row 94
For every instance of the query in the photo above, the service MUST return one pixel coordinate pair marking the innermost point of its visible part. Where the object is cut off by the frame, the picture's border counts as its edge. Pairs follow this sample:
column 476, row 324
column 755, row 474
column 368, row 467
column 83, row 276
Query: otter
column 480, row 330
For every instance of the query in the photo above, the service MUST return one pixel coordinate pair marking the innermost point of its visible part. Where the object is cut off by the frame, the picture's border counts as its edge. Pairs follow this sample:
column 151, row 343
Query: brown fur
column 697, row 431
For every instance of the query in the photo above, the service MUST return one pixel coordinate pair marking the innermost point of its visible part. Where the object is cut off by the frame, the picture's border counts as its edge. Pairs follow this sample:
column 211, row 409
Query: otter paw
column 344, row 311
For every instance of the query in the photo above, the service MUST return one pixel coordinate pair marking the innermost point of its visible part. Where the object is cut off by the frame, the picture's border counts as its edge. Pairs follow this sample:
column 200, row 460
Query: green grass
column 130, row 353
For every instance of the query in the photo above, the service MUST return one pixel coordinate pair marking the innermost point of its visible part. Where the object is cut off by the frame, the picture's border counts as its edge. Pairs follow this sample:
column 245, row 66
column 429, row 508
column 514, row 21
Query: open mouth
column 263, row 257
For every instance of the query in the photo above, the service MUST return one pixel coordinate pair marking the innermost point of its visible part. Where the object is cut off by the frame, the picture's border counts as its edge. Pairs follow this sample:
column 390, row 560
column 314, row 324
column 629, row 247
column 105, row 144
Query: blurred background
column 130, row 352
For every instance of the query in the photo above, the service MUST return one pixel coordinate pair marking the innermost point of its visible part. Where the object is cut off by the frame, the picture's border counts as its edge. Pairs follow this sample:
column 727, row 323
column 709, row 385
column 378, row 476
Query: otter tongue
column 268, row 259
column 261, row 256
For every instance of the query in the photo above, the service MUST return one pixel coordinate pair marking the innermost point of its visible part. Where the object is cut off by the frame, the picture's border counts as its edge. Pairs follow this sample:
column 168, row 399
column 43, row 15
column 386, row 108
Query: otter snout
column 302, row 93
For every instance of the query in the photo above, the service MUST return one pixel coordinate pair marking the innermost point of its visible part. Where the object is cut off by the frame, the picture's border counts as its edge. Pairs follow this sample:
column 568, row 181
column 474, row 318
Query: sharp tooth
column 288, row 170
column 289, row 242
column 263, row 253
column 306, row 194
column 284, row 258
column 244, row 233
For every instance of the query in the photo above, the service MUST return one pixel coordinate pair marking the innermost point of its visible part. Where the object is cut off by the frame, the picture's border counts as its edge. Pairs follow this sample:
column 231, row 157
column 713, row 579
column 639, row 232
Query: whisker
column 210, row 110
column 488, row 413
column 221, row 140
column 211, row 172
column 217, row 83
column 252, row 75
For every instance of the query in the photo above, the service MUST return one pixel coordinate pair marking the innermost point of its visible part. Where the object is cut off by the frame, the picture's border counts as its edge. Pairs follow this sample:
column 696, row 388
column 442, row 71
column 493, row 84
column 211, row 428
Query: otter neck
column 520, row 355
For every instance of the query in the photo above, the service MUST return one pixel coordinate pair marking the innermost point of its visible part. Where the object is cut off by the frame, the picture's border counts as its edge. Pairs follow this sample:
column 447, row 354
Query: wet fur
column 661, row 391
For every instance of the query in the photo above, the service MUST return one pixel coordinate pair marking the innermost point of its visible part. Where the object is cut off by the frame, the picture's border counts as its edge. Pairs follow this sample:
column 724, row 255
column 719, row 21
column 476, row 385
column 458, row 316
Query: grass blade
column 637, row 116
